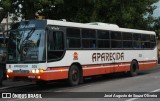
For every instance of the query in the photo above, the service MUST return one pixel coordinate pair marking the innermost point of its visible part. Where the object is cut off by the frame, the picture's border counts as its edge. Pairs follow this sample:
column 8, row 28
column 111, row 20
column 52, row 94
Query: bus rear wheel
column 74, row 75
column 133, row 68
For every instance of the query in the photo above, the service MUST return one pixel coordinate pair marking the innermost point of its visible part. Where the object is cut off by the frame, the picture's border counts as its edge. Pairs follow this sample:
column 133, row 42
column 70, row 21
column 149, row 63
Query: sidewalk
column 10, row 83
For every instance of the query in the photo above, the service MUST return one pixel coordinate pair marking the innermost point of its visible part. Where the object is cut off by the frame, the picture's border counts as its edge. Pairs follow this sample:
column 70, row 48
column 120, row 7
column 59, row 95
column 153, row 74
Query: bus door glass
column 55, row 45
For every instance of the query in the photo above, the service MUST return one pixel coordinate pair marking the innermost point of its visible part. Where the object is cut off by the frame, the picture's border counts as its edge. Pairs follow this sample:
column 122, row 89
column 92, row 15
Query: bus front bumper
column 45, row 76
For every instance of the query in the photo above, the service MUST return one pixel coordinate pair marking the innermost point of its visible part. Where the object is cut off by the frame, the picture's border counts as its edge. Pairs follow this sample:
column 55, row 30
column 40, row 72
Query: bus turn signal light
column 40, row 70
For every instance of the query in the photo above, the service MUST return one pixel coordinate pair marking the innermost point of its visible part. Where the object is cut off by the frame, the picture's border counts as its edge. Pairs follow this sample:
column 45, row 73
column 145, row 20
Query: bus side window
column 152, row 41
column 137, row 43
column 88, row 38
column 73, row 38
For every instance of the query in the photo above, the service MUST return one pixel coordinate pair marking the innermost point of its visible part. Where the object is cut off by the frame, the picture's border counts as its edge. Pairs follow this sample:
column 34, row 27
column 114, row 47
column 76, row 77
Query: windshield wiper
column 22, row 44
column 29, row 34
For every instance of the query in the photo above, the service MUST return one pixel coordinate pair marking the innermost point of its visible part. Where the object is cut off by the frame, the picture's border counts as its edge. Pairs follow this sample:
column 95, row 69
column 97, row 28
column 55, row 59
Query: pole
column 7, row 20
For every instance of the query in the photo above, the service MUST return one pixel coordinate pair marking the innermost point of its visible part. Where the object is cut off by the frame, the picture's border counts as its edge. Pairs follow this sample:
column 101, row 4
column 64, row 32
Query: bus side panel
column 55, row 73
column 94, row 70
column 141, row 66
column 147, row 65
column 123, row 67
column 149, row 59
column 105, row 69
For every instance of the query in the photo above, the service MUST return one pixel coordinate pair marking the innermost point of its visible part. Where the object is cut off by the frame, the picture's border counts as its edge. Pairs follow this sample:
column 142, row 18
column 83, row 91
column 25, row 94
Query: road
column 147, row 81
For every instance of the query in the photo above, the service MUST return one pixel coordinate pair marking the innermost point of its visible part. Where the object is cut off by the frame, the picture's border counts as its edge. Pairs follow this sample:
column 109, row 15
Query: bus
column 48, row 50
column 3, row 56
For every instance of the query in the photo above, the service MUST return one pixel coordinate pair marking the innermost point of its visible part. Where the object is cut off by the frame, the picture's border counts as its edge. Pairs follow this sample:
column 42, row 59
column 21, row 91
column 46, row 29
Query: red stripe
column 88, row 70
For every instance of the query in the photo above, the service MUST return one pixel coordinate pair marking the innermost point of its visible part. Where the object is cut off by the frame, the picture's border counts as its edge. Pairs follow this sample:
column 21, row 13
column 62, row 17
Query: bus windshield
column 27, row 45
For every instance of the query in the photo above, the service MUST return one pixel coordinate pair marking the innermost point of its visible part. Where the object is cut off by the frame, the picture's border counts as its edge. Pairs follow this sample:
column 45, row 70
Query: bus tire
column 133, row 68
column 74, row 75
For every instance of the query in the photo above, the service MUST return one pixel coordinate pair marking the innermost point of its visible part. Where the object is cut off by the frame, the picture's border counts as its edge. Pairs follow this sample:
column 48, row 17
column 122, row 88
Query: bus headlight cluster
column 37, row 71
column 9, row 70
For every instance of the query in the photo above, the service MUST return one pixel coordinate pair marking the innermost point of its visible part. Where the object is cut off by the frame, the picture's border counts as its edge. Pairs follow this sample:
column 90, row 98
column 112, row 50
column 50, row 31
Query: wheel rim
column 74, row 75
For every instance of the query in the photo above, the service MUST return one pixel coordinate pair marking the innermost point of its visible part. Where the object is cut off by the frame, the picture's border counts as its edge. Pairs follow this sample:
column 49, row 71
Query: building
column 5, row 25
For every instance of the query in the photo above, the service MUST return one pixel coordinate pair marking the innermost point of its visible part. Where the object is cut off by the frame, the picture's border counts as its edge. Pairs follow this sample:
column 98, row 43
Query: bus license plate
column 32, row 77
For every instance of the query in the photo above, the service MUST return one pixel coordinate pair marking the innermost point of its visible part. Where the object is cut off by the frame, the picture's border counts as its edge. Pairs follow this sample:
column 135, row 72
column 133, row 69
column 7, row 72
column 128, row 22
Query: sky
column 156, row 13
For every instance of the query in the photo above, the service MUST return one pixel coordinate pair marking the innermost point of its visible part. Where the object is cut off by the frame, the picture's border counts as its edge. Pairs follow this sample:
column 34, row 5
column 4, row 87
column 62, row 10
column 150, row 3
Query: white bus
column 46, row 50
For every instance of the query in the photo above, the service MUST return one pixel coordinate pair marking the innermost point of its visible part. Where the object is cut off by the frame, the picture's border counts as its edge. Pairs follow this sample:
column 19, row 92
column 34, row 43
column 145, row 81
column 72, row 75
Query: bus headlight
column 33, row 71
column 37, row 71
column 9, row 70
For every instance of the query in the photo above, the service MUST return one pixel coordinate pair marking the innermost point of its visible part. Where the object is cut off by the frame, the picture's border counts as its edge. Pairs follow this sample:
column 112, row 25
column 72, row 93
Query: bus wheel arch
column 134, row 67
column 75, row 70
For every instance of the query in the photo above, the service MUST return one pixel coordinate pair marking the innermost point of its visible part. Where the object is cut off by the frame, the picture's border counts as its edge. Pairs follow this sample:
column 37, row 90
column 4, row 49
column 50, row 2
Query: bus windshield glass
column 27, row 45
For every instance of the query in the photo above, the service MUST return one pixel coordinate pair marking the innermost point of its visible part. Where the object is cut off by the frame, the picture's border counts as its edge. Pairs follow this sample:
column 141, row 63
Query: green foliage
column 125, row 13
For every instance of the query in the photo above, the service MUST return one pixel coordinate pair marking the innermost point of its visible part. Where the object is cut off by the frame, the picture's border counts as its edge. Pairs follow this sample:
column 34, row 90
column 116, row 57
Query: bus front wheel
column 74, row 75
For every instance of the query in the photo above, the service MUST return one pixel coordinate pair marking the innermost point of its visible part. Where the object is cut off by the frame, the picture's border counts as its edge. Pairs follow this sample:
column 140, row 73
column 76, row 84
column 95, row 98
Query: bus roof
column 97, row 25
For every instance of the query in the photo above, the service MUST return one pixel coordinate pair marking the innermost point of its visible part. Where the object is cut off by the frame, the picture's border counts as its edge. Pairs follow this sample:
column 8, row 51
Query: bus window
column 116, row 44
column 103, row 34
column 73, row 43
column 116, row 35
column 127, row 40
column 88, row 43
column 103, row 39
column 137, row 41
column 88, row 33
column 116, row 39
column 103, row 44
column 73, row 38
column 146, row 41
column 73, row 32
column 152, row 41
column 153, row 38
column 55, row 45
column 88, row 38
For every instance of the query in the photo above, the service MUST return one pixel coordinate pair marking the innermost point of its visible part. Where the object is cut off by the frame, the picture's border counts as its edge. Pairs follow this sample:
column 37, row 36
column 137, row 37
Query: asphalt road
column 146, row 82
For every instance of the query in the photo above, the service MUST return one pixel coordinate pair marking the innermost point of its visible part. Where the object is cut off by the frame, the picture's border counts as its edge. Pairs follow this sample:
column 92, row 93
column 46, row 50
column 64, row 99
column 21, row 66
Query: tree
column 27, row 9
column 156, row 27
column 125, row 13
column 5, row 6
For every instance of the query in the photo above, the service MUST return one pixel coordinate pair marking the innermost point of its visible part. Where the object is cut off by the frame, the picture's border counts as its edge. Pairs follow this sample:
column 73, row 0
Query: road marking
column 156, row 90
column 132, row 99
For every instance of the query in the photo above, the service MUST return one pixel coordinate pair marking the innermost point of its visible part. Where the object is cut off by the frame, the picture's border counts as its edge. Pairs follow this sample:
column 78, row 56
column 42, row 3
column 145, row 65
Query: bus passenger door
column 55, row 49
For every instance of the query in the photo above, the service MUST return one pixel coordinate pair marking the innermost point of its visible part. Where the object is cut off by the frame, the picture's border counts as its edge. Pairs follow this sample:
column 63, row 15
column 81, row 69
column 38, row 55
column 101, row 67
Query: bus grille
column 21, row 71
